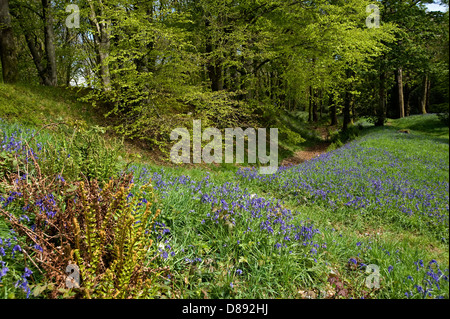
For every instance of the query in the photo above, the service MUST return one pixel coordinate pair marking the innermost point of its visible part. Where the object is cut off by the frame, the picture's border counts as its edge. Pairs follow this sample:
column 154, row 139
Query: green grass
column 41, row 105
column 426, row 125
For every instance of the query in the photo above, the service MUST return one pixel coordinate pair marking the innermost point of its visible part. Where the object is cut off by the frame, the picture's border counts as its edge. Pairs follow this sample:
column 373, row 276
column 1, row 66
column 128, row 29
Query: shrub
column 104, row 231
column 83, row 152
column 443, row 117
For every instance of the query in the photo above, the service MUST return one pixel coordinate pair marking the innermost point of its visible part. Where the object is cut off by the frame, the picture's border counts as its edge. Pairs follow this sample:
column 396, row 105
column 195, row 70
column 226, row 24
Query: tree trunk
column 353, row 109
column 49, row 44
column 310, row 105
column 407, row 94
column 68, row 63
column 347, row 107
column 38, row 58
column 102, row 40
column 214, row 65
column 381, row 111
column 424, row 94
column 314, row 107
column 333, row 112
column 8, row 51
column 321, row 103
column 401, row 98
column 348, row 103
column 427, row 103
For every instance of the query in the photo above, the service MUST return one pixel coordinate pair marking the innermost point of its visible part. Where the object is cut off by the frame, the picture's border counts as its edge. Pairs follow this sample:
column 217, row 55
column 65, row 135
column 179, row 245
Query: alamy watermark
column 256, row 141
column 373, row 20
column 73, row 279
column 373, row 280
column 73, row 20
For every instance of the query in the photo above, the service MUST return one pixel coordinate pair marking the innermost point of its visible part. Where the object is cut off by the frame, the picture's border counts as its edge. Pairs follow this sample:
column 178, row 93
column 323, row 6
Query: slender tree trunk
column 102, row 40
column 321, row 103
column 353, row 109
column 427, row 103
column 424, row 94
column 310, row 104
column 68, row 64
column 314, row 106
column 214, row 65
column 401, row 98
column 381, row 111
column 50, row 51
column 8, row 50
column 407, row 100
column 348, row 103
column 347, row 107
column 333, row 112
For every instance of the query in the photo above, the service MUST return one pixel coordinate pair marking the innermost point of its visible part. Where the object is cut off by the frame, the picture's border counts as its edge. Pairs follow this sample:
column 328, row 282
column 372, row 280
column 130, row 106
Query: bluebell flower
column 3, row 271
column 15, row 249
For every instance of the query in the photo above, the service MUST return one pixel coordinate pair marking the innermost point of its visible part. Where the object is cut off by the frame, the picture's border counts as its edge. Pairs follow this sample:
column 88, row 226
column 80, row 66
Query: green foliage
column 81, row 152
column 444, row 118
column 112, row 240
column 8, row 162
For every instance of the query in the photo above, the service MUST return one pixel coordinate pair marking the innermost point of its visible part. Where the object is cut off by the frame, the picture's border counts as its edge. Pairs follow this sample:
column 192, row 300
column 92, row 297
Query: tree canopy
column 158, row 64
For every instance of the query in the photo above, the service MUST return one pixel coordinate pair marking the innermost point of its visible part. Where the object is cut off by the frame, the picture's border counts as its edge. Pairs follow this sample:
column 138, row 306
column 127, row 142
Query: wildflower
column 390, row 268
column 239, row 271
column 3, row 271
column 15, row 249
column 23, row 282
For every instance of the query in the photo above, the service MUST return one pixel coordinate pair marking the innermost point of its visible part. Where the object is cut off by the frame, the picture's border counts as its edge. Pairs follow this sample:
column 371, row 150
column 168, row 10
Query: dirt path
column 310, row 152
column 306, row 155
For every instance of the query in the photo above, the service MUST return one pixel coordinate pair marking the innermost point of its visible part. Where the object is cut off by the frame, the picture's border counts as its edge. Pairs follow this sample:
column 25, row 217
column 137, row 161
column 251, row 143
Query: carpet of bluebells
column 222, row 240
column 371, row 180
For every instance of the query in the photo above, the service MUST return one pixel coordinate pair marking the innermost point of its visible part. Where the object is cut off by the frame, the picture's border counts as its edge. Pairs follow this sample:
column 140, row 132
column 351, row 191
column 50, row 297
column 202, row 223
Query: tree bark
column 424, row 94
column 348, row 101
column 333, row 112
column 321, row 103
column 427, row 103
column 49, row 44
column 407, row 94
column 401, row 97
column 102, row 40
column 38, row 58
column 381, row 111
column 8, row 50
column 314, row 106
column 310, row 105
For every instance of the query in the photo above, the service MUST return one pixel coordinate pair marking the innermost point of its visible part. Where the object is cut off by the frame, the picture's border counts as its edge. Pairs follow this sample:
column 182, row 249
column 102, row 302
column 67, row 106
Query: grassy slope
column 40, row 105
